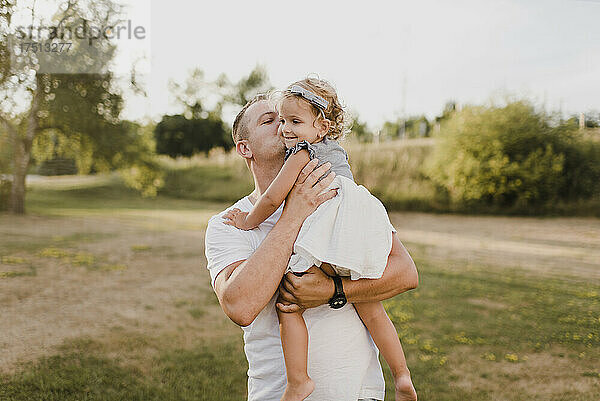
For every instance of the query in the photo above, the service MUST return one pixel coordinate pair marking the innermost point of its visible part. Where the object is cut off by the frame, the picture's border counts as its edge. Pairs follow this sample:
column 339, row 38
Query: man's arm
column 400, row 275
column 245, row 287
column 316, row 288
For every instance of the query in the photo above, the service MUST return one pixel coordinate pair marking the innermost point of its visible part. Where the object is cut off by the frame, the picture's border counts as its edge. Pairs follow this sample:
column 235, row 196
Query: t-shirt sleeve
column 224, row 245
column 298, row 147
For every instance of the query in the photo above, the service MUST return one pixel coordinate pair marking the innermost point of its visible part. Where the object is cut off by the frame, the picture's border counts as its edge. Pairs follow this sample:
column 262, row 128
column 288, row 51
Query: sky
column 387, row 59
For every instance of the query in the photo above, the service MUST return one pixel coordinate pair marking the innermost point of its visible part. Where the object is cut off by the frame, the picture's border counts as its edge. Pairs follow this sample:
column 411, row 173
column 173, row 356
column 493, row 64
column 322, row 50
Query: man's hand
column 312, row 289
column 306, row 196
column 400, row 275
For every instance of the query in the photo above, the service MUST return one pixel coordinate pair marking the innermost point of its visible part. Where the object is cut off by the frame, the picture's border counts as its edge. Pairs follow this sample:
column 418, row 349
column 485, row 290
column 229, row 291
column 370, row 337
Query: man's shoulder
column 241, row 204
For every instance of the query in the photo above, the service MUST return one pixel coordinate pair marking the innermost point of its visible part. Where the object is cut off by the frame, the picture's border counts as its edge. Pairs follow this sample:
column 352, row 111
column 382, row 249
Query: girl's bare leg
column 386, row 338
column 294, row 340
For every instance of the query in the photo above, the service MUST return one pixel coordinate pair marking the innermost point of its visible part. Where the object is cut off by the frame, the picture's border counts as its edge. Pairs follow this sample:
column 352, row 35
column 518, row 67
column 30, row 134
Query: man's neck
column 263, row 177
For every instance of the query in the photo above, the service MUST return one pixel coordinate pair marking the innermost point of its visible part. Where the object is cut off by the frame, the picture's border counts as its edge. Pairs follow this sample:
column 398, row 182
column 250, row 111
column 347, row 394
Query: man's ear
column 242, row 149
column 324, row 126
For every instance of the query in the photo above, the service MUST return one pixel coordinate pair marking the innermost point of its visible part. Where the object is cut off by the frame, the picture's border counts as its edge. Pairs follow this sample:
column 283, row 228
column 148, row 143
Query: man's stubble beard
column 279, row 153
column 278, row 159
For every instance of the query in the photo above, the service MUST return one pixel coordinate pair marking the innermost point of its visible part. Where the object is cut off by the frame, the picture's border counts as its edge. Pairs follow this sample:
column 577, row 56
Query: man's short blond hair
column 240, row 125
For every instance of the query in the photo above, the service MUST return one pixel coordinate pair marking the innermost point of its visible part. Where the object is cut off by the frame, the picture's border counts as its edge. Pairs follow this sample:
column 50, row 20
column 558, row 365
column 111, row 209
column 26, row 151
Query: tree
column 412, row 127
column 449, row 109
column 201, row 127
column 69, row 100
column 392, row 129
column 591, row 119
column 179, row 136
column 5, row 183
column 247, row 87
column 201, row 98
column 360, row 131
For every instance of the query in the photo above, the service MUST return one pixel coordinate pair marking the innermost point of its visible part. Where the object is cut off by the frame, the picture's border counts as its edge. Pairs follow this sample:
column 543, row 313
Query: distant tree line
column 178, row 136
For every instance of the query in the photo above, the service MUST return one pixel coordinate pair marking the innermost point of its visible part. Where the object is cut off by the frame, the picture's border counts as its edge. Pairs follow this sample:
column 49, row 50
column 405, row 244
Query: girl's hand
column 235, row 217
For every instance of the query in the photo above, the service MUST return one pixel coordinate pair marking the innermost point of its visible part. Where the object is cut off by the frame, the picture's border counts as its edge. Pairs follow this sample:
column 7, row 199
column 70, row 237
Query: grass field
column 105, row 296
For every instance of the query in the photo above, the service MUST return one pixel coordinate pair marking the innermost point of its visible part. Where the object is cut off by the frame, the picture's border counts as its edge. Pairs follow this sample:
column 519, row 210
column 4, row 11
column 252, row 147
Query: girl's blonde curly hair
column 334, row 113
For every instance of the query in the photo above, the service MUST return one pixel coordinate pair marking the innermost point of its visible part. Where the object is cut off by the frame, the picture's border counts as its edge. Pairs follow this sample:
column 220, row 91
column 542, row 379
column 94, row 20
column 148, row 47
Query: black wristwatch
column 339, row 298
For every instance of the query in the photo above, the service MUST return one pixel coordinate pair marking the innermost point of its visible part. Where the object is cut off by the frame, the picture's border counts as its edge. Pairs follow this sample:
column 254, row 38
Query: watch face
column 337, row 301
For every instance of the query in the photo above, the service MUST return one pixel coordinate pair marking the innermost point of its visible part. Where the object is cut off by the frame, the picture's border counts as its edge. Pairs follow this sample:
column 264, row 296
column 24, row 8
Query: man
column 247, row 268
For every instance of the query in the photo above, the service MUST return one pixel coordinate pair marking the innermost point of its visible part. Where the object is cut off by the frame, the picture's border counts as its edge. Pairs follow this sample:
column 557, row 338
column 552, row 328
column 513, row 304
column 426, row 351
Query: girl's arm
column 274, row 196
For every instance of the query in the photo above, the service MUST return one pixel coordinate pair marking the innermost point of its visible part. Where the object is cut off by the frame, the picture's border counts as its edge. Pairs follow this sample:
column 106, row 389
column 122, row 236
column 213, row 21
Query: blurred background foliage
column 509, row 158
column 514, row 157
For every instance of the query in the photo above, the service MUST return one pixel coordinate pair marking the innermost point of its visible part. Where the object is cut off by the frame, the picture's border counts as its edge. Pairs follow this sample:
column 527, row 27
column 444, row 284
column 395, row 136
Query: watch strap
column 338, row 299
column 339, row 288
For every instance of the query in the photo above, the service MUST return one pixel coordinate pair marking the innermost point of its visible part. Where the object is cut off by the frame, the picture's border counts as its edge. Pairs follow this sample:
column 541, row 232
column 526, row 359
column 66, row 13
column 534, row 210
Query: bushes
column 513, row 157
column 220, row 177
column 146, row 177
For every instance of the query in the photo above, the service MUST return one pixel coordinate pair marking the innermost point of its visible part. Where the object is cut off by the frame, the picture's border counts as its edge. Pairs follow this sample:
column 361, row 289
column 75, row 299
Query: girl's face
column 297, row 123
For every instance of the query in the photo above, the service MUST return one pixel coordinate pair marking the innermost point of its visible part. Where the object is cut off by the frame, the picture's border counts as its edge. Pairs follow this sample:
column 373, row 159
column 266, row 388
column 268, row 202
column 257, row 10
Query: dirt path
column 67, row 277
column 565, row 248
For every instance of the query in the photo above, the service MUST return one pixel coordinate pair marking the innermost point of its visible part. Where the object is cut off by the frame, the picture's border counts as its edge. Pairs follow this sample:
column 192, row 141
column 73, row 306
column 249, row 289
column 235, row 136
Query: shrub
column 513, row 157
column 145, row 177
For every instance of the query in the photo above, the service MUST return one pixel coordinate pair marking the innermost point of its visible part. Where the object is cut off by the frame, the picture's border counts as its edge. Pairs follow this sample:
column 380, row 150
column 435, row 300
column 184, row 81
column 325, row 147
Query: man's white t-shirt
column 342, row 358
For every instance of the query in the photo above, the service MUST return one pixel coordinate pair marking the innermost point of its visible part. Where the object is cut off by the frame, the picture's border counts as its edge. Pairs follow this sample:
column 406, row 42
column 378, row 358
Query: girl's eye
column 270, row 120
column 296, row 121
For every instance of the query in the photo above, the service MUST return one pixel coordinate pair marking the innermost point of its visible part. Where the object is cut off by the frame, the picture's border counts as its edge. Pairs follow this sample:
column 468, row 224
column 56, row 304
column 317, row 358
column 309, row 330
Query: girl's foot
column 298, row 391
column 405, row 391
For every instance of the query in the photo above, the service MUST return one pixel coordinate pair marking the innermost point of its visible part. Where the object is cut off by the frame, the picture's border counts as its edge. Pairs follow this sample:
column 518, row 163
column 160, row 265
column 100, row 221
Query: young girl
column 351, row 232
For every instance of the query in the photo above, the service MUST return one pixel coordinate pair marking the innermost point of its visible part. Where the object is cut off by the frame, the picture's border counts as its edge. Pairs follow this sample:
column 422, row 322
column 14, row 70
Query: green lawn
column 471, row 330
column 481, row 334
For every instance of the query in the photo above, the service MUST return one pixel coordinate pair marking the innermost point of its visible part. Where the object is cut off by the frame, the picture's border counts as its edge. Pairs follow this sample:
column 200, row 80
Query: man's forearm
column 400, row 275
column 316, row 287
column 369, row 290
column 250, row 286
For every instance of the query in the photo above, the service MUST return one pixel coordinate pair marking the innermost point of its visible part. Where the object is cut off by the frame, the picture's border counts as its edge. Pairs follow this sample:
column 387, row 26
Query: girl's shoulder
column 330, row 147
column 328, row 144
